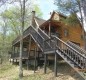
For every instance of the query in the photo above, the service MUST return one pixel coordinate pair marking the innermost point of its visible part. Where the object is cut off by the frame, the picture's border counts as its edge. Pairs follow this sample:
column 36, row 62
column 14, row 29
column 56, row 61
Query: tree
column 70, row 7
column 13, row 16
column 2, row 2
column 83, row 6
column 21, row 38
column 17, row 20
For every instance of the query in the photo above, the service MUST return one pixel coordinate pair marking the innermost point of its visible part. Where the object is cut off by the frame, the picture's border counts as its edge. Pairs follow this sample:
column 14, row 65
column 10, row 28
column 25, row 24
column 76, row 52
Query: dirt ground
column 65, row 72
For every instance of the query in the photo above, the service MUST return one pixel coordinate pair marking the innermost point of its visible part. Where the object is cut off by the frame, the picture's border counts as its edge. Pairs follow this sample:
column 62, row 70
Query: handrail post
column 55, row 65
column 35, row 50
column 45, row 63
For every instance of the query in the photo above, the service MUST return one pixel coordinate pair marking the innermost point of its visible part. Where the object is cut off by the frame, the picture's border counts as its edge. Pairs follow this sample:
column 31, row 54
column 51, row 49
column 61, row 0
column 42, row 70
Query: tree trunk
column 21, row 40
column 83, row 7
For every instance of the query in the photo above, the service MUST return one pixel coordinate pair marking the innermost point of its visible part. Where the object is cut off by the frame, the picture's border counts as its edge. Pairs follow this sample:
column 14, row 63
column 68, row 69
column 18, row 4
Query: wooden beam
column 13, row 53
column 17, row 49
column 45, row 63
column 35, row 59
column 29, row 47
column 16, row 60
column 27, row 64
column 29, row 53
column 55, row 65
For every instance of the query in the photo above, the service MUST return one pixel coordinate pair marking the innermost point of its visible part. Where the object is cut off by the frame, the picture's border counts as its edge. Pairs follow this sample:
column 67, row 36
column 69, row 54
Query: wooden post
column 27, row 61
column 49, row 28
column 55, row 65
column 29, row 53
column 27, row 64
column 0, row 60
column 13, row 54
column 16, row 60
column 35, row 60
column 17, row 49
column 13, row 61
column 45, row 63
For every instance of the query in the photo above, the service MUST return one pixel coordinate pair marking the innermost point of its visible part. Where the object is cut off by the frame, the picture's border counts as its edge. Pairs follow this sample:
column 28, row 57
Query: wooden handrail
column 65, row 44
column 77, row 47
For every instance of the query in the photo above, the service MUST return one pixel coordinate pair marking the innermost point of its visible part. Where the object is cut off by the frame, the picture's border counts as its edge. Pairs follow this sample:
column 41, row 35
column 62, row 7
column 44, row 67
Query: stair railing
column 79, row 49
column 67, row 51
column 43, row 33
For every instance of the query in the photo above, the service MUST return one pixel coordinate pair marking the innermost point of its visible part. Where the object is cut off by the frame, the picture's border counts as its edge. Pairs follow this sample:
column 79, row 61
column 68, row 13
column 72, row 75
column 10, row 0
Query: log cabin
column 54, row 26
column 35, row 45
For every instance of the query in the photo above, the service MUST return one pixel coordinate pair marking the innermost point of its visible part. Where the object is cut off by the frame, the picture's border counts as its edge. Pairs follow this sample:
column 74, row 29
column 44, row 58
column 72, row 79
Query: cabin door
column 54, row 32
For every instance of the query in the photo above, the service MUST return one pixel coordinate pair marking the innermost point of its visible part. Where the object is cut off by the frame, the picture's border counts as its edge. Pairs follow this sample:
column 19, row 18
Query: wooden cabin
column 40, row 30
column 52, row 26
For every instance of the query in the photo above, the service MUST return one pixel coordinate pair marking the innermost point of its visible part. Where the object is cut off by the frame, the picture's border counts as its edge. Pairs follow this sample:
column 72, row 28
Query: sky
column 46, row 7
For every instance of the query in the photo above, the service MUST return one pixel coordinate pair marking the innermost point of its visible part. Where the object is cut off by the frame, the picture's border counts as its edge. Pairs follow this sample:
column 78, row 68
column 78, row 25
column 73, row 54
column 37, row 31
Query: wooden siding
column 74, row 32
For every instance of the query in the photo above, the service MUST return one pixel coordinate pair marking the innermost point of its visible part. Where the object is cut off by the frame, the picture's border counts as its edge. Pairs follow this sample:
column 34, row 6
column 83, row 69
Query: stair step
column 48, row 52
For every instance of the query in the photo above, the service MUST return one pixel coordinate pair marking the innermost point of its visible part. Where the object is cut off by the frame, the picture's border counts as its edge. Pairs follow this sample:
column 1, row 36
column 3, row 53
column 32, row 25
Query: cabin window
column 53, row 29
column 82, row 37
column 66, row 32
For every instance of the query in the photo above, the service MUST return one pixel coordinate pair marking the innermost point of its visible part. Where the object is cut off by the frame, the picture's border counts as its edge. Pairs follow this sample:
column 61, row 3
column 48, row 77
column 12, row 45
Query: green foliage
column 72, row 20
column 38, row 11
column 10, row 25
column 69, row 7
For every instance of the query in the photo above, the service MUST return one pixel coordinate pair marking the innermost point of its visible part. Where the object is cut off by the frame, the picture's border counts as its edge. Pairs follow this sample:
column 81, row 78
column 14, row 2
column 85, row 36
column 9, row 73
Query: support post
column 16, row 60
column 35, row 60
column 17, row 50
column 29, row 53
column 45, row 63
column 27, row 64
column 13, row 54
column 55, row 65
column 13, row 61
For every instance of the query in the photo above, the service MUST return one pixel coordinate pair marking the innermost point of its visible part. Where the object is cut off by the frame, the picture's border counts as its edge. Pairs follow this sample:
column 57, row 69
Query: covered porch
column 52, row 27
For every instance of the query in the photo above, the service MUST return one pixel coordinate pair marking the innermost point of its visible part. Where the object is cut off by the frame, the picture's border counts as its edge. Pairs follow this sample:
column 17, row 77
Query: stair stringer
column 72, row 65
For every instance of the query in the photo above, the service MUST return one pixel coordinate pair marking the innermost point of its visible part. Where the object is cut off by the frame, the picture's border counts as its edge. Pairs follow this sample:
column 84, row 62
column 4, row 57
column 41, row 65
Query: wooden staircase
column 71, row 55
column 74, row 58
column 79, row 49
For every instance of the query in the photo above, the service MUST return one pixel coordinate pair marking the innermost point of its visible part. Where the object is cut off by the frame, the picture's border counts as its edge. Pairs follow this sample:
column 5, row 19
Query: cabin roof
column 40, row 21
column 52, row 15
column 60, row 14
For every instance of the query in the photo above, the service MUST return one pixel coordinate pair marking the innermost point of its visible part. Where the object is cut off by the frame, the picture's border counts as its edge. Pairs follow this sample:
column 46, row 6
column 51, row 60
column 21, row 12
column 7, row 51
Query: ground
column 65, row 72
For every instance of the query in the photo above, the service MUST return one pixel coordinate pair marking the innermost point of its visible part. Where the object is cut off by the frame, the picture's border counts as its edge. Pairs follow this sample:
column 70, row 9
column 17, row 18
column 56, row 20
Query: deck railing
column 68, row 51
column 16, row 55
column 79, row 49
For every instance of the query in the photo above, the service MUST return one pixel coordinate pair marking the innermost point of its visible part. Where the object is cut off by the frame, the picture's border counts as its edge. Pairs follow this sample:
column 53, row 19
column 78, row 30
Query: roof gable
column 56, row 16
column 39, row 21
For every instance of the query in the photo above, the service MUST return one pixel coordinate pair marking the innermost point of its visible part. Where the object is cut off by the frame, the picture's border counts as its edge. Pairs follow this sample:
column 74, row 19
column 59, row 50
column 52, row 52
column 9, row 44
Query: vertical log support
column 35, row 50
column 27, row 64
column 45, row 63
column 29, row 53
column 16, row 60
column 13, row 54
column 55, row 65
column 18, row 50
